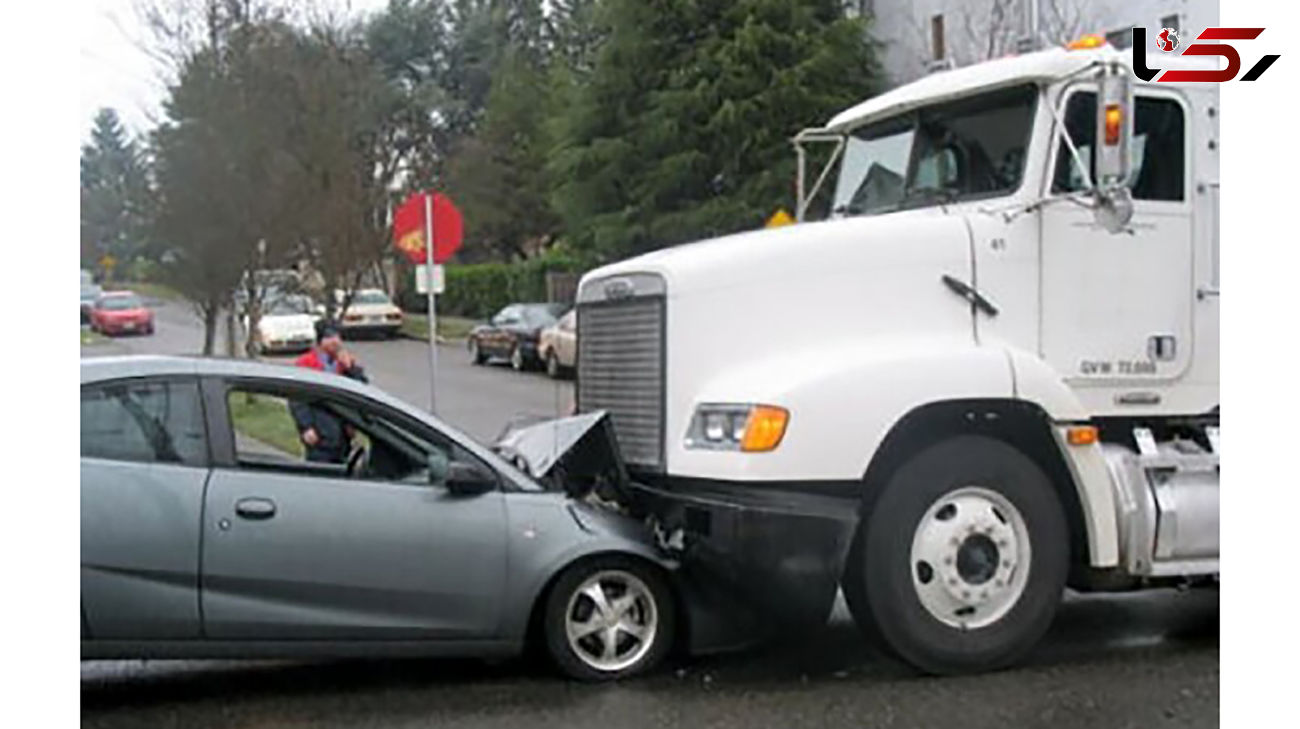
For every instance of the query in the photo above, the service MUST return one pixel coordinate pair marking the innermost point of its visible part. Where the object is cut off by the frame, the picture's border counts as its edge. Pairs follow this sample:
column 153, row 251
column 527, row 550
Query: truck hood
column 778, row 256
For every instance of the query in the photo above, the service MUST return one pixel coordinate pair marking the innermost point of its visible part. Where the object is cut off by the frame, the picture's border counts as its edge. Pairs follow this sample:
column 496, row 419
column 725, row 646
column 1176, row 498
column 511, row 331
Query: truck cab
column 989, row 371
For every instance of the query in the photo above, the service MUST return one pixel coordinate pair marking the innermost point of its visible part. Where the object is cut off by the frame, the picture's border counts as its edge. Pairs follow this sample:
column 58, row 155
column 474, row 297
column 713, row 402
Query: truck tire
column 626, row 632
column 962, row 561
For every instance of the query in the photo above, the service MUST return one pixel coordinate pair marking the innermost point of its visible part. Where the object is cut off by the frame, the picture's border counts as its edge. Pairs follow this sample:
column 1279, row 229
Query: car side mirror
column 466, row 479
column 439, row 467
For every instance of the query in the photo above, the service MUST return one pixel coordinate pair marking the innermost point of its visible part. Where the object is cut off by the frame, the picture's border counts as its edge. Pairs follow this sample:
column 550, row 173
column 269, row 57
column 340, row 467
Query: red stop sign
column 409, row 226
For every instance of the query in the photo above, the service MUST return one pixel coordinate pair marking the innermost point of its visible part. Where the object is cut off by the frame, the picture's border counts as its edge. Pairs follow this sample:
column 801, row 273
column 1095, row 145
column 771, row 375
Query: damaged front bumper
column 753, row 560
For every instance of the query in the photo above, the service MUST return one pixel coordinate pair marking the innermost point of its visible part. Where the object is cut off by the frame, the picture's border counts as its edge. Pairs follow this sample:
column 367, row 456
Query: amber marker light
column 764, row 429
column 1081, row 435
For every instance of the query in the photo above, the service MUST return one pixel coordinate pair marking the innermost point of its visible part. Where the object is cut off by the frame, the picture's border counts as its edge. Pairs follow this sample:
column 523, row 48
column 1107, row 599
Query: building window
column 936, row 37
column 1121, row 39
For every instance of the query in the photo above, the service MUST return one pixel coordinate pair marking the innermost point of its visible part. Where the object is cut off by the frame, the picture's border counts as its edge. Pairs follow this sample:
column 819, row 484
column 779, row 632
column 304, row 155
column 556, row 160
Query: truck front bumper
column 779, row 552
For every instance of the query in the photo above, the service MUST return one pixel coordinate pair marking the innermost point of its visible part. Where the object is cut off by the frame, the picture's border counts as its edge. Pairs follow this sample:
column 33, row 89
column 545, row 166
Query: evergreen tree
column 683, row 129
column 114, row 192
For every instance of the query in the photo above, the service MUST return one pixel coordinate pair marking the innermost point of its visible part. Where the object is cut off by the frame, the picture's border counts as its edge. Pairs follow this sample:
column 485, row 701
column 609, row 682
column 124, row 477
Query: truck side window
column 1158, row 147
column 1158, row 150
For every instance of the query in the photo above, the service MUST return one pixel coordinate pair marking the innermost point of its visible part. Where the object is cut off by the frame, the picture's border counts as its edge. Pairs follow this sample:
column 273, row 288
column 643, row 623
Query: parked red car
column 121, row 312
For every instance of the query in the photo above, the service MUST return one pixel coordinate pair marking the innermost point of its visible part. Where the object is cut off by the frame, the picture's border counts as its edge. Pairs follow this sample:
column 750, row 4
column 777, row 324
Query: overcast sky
column 116, row 73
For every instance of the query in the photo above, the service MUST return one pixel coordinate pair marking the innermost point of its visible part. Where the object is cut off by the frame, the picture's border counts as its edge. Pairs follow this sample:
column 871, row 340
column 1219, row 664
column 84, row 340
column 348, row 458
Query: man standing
column 326, row 437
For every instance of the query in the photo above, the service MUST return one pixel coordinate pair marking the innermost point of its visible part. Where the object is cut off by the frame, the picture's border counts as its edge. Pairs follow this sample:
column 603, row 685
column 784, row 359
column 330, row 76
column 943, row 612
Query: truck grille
column 621, row 370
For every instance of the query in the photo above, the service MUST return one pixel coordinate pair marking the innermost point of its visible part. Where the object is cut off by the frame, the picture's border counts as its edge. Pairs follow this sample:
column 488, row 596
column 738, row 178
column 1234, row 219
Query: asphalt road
column 477, row 400
column 1138, row 660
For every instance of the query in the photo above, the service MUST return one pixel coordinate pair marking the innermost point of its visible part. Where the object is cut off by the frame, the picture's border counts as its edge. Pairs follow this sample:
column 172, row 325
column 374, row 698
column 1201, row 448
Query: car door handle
column 255, row 508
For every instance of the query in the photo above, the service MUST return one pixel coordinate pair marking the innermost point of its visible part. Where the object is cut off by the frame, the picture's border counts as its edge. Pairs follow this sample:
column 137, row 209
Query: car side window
column 144, row 421
column 1157, row 150
column 350, row 441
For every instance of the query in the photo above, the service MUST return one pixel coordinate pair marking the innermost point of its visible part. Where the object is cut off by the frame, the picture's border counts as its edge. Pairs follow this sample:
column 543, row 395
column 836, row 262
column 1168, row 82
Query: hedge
column 478, row 290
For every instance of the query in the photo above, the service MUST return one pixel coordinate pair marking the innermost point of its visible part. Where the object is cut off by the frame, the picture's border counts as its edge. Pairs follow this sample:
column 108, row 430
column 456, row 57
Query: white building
column 919, row 35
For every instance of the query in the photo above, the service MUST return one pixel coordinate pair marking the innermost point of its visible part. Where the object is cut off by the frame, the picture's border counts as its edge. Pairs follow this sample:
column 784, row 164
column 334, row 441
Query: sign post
column 433, row 311
column 427, row 229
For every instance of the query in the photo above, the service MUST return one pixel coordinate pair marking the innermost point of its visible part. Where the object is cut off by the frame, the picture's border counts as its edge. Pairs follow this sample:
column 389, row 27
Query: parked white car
column 369, row 312
column 287, row 324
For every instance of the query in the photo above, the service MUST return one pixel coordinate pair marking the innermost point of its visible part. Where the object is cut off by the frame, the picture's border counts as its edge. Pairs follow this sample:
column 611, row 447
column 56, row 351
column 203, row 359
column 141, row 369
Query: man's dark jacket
column 334, row 443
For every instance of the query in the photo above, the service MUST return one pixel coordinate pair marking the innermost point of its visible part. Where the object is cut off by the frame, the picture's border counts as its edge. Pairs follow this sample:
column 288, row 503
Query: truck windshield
column 960, row 150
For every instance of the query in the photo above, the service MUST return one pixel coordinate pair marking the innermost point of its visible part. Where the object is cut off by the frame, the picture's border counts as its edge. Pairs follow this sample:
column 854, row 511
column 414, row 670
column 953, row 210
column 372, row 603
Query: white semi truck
column 990, row 373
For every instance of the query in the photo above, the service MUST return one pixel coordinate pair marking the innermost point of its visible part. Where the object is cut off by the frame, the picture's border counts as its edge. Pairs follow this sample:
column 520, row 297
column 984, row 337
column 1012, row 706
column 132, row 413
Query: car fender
column 547, row 533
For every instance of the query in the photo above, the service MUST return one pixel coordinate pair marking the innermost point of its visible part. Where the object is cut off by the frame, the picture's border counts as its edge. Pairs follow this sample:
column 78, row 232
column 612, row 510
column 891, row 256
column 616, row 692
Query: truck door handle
column 255, row 508
column 967, row 292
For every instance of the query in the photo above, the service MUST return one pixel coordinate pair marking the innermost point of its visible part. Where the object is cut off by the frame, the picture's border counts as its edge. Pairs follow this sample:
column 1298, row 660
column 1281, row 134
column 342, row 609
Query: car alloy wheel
column 609, row 618
column 475, row 354
column 517, row 358
column 552, row 366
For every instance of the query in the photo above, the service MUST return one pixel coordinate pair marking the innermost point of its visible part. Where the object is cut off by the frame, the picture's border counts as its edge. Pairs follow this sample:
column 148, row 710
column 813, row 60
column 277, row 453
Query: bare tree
column 979, row 30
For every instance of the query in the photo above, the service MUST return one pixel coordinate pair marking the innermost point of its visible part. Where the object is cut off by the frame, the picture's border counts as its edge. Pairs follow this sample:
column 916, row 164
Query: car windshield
column 289, row 305
column 965, row 149
column 370, row 297
column 542, row 315
column 121, row 303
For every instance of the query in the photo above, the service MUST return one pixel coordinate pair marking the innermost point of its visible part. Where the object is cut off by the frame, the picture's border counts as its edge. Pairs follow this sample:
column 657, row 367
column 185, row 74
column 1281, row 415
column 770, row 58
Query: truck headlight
column 737, row 427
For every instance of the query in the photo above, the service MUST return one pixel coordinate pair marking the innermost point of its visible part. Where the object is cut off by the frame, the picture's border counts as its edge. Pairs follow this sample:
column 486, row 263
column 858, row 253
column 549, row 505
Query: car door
column 566, row 341
column 297, row 550
column 1117, row 308
column 144, row 464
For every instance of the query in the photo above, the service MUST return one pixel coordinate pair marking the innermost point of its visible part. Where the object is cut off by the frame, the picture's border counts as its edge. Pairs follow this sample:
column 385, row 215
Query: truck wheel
column 609, row 618
column 963, row 559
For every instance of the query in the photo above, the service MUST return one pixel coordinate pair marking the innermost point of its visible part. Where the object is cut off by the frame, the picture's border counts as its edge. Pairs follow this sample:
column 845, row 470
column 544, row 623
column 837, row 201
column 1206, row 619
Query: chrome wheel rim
column 970, row 558
column 517, row 358
column 473, row 349
column 611, row 620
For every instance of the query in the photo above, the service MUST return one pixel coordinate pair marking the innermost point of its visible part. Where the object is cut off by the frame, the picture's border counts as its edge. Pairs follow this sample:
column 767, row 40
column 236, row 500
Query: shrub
column 478, row 290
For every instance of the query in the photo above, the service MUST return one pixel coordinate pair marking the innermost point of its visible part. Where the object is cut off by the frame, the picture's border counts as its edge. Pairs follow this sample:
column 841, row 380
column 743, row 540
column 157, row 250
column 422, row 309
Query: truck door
column 1117, row 308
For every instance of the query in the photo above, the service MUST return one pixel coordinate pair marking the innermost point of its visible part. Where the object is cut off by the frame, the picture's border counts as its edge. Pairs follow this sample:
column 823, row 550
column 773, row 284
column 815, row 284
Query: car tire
column 642, row 632
column 962, row 561
column 517, row 359
column 553, row 366
column 476, row 355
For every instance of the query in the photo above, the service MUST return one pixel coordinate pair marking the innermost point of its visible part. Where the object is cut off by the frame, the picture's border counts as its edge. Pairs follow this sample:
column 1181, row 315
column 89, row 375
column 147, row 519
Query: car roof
column 102, row 369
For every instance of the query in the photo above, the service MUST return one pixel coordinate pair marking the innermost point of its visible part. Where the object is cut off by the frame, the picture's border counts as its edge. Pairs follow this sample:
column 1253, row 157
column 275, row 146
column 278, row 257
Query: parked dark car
column 512, row 334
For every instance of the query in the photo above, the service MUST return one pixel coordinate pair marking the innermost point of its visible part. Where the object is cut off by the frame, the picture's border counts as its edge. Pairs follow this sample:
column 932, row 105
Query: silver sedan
column 208, row 529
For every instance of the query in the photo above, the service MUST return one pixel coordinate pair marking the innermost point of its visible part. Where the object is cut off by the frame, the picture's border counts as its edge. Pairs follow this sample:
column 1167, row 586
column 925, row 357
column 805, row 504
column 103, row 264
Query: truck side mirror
column 1114, row 138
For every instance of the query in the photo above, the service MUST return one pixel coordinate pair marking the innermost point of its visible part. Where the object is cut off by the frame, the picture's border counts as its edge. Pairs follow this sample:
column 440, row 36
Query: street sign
column 410, row 226
column 779, row 218
column 422, row 279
